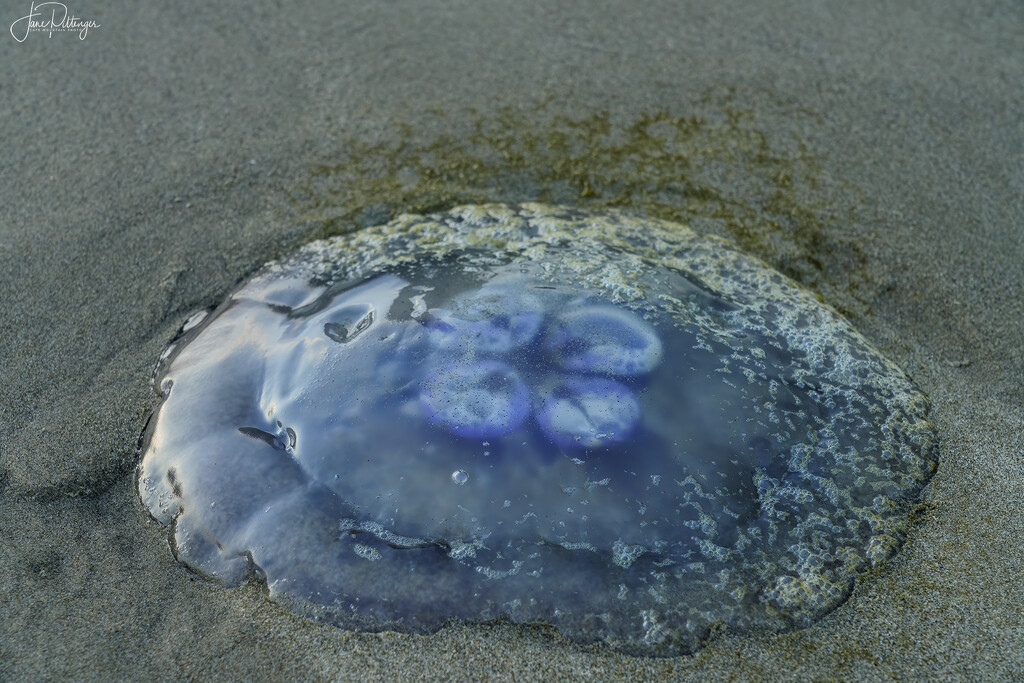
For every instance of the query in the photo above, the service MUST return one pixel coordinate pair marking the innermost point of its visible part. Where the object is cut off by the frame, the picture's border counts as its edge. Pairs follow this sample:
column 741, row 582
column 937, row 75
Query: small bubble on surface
column 460, row 477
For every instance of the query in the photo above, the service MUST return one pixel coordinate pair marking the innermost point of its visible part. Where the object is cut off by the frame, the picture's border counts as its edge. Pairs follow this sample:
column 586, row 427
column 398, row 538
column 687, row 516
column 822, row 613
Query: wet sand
column 150, row 167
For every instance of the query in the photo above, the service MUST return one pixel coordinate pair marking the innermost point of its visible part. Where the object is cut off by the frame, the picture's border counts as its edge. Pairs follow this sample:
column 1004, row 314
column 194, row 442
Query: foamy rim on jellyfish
column 707, row 287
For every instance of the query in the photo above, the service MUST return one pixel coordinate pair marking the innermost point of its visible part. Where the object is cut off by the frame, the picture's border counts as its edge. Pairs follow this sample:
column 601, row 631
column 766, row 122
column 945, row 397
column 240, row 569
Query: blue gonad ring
column 588, row 412
column 605, row 339
column 476, row 400
column 492, row 320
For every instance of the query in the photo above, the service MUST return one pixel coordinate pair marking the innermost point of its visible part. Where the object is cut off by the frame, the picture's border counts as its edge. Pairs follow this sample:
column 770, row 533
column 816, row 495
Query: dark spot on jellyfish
column 173, row 481
column 547, row 424
column 349, row 322
column 272, row 440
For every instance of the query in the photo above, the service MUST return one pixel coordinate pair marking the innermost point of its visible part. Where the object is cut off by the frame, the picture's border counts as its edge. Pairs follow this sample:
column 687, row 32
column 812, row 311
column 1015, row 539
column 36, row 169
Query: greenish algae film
column 716, row 169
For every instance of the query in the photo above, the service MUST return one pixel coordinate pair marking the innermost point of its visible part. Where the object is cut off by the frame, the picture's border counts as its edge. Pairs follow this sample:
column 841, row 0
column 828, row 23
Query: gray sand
column 148, row 168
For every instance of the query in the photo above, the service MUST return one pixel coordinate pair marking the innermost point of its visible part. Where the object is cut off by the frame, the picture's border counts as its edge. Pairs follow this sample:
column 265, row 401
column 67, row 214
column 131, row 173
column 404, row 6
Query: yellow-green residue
column 717, row 169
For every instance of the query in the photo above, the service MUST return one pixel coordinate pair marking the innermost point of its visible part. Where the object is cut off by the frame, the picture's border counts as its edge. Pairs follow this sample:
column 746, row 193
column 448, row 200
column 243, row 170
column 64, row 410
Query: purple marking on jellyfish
column 605, row 339
column 476, row 400
column 492, row 320
column 588, row 412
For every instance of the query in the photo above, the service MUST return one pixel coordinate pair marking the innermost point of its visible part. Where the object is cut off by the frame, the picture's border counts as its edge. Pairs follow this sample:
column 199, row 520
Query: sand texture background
column 873, row 151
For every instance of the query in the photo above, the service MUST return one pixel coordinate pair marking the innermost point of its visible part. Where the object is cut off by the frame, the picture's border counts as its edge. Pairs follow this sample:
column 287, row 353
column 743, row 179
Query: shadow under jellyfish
column 605, row 423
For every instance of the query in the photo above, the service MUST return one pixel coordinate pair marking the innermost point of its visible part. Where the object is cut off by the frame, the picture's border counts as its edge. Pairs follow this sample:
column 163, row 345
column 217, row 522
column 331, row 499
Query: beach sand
column 149, row 167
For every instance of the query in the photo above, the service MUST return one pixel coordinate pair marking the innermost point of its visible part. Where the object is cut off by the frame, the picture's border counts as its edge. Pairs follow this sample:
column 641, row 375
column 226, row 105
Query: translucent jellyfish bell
column 607, row 424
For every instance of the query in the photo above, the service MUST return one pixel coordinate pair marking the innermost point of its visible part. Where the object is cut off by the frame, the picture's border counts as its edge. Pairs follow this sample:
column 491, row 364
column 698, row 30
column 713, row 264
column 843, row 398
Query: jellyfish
column 609, row 424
